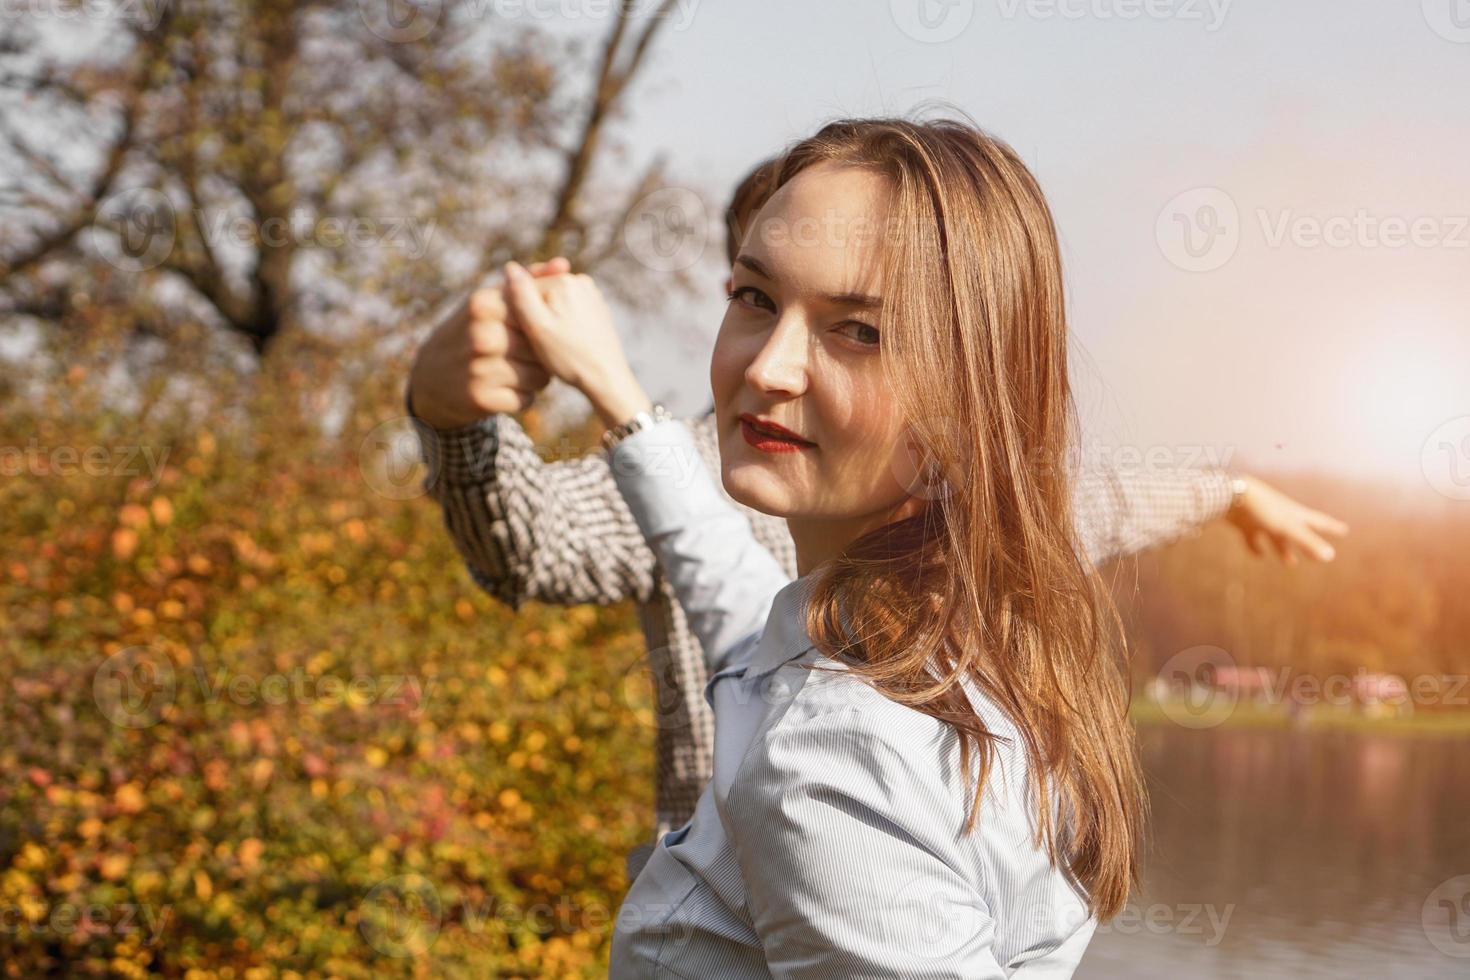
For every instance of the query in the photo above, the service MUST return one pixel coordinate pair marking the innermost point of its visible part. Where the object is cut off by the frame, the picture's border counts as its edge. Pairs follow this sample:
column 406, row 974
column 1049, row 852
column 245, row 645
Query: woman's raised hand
column 568, row 324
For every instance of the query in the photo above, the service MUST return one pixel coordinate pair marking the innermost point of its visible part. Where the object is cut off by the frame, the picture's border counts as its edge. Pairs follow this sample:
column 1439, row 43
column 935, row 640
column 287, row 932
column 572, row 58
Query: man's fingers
column 491, row 397
column 558, row 266
column 1326, row 523
column 522, row 375
column 524, row 297
column 1314, row 545
column 487, row 304
column 489, row 337
column 497, row 339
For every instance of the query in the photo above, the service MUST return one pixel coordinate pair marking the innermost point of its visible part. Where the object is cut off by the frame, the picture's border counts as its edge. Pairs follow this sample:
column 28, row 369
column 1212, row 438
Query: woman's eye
column 865, row 333
column 751, row 295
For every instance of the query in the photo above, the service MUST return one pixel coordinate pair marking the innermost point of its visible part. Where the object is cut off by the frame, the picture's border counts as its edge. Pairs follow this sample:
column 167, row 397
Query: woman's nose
column 781, row 363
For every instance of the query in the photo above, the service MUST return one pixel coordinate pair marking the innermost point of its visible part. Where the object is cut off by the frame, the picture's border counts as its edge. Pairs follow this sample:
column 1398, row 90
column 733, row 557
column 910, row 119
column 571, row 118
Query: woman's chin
column 750, row 483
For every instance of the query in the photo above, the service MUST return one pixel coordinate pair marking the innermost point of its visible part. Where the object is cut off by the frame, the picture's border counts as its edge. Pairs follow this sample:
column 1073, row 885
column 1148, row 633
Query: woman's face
column 799, row 347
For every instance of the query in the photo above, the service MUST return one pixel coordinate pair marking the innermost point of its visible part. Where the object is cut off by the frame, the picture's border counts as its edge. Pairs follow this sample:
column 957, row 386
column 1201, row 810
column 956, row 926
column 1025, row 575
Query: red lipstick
column 771, row 437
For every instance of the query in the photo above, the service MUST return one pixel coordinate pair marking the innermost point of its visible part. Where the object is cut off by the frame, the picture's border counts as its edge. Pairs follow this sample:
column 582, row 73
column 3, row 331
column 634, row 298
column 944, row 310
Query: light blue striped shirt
column 830, row 841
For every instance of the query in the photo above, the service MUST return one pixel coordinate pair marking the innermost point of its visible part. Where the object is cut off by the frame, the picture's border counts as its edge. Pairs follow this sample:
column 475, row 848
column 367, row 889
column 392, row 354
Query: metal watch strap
column 641, row 420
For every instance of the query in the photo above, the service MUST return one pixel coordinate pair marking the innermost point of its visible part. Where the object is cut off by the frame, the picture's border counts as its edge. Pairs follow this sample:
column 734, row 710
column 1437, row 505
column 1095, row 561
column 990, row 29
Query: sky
column 1264, row 208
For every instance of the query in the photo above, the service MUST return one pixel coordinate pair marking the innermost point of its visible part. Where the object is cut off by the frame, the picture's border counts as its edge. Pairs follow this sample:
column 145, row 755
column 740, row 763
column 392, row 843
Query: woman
column 923, row 763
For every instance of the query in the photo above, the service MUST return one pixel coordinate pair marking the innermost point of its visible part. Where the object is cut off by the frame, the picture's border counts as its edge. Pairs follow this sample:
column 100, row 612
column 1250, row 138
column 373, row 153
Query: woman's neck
column 820, row 539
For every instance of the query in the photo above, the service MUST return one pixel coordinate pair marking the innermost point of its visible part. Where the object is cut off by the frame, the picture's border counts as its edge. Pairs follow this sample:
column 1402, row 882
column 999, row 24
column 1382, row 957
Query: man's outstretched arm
column 1123, row 511
column 556, row 532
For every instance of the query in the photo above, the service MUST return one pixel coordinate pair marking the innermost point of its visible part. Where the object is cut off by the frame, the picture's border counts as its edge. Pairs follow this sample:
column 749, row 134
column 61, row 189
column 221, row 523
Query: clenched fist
column 476, row 363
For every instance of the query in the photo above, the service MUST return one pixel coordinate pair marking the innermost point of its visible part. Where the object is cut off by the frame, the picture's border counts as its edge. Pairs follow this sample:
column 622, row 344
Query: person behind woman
column 923, row 761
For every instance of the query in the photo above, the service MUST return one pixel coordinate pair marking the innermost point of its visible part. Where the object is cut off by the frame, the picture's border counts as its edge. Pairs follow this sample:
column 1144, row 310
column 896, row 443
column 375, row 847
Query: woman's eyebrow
column 859, row 300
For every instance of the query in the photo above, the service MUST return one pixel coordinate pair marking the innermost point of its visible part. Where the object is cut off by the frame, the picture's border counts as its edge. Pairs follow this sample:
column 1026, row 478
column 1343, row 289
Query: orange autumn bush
column 259, row 721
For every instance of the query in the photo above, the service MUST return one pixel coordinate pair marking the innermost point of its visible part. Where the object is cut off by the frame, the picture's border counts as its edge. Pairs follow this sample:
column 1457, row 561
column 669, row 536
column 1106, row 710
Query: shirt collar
column 785, row 637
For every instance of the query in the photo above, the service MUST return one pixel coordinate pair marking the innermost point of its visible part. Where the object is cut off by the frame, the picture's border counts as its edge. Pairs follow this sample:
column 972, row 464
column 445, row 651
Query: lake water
column 1298, row 854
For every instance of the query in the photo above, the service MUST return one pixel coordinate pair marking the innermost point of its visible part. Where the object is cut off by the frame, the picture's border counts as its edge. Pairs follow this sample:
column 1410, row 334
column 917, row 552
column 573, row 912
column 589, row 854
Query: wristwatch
column 642, row 420
column 1238, row 487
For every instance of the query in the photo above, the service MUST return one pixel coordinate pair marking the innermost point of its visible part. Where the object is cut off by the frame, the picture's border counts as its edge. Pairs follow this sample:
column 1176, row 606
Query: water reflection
column 1288, row 853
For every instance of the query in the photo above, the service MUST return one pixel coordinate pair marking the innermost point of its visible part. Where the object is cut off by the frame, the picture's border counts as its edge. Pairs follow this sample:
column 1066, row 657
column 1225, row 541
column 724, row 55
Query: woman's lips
column 767, row 443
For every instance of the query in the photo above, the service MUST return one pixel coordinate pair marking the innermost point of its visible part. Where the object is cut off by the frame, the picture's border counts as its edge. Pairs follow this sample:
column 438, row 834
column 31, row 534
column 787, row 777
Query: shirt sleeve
column 554, row 532
column 723, row 577
column 1122, row 511
column 850, row 867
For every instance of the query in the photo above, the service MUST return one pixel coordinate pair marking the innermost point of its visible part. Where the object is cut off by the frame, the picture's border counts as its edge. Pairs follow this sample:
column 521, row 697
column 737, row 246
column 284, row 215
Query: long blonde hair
column 988, row 583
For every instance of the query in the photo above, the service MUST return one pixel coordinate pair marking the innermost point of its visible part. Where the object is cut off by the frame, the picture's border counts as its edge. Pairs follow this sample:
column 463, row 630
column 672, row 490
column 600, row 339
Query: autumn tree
column 208, row 177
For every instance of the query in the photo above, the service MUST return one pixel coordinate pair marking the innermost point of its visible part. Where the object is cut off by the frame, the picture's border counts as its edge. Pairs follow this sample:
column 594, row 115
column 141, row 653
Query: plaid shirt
column 560, row 532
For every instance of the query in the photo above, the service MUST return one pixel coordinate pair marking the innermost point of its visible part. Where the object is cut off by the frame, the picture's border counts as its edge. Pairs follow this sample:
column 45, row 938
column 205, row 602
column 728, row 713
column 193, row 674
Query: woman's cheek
column 725, row 369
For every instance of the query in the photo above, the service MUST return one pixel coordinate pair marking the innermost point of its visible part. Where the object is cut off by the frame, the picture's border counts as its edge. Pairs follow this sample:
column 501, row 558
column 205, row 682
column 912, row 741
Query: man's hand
column 476, row 363
column 1266, row 516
